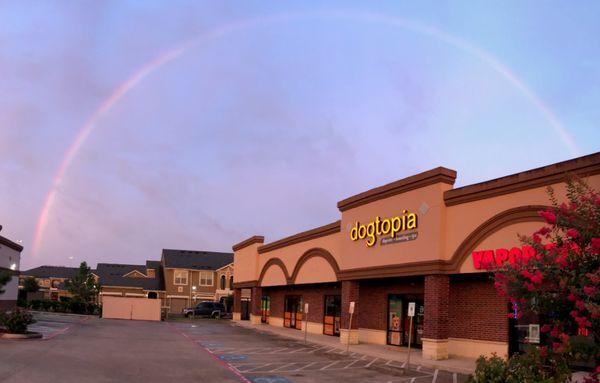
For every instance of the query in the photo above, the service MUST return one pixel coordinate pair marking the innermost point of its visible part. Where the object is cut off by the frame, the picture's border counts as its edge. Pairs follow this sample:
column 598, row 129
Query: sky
column 127, row 127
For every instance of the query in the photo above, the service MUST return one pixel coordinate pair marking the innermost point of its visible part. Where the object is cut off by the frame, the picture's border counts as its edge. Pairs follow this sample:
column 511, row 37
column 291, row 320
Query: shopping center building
column 417, row 240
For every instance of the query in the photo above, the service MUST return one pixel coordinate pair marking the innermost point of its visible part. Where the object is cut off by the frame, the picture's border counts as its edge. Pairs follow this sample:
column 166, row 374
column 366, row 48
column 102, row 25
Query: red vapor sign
column 484, row 259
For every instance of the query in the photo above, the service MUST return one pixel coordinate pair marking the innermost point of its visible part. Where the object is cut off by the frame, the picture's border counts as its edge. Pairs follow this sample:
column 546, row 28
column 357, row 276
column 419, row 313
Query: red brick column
column 237, row 301
column 437, row 297
column 435, row 331
column 255, row 299
column 350, row 292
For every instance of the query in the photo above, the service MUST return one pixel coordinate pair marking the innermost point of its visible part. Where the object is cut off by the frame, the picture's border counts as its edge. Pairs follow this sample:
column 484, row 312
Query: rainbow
column 143, row 72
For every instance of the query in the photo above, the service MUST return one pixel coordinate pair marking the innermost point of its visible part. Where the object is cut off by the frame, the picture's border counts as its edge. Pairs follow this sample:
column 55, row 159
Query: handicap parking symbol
column 270, row 379
column 232, row 357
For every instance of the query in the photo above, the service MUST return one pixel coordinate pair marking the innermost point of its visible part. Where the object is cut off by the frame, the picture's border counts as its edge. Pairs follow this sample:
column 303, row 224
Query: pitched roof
column 104, row 270
column 197, row 260
column 112, row 274
column 52, row 271
column 144, row 283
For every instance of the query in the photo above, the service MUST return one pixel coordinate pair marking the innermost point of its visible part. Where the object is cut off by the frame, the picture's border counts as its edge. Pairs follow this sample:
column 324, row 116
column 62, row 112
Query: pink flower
column 549, row 216
column 546, row 328
column 543, row 231
column 572, row 297
column 580, row 305
column 574, row 313
column 555, row 333
column 589, row 290
column 596, row 245
column 573, row 233
column 537, row 278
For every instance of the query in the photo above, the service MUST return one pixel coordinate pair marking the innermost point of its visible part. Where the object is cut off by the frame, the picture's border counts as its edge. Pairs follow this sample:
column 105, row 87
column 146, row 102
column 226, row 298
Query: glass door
column 418, row 322
column 265, row 308
column 332, row 313
column 292, row 316
column 394, row 331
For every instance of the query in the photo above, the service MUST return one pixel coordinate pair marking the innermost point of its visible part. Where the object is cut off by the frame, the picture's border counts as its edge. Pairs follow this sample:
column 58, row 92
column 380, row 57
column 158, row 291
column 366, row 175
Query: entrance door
column 245, row 309
column 265, row 308
column 399, row 321
column 292, row 316
column 418, row 322
column 395, row 311
column 332, row 311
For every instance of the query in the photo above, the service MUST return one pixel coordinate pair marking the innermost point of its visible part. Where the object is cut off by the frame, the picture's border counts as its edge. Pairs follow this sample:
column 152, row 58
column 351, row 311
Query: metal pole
column 409, row 340
column 305, row 330
column 349, row 329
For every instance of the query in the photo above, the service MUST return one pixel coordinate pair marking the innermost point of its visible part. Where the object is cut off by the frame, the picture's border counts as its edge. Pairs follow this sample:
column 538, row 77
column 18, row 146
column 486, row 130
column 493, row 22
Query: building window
column 222, row 282
column 231, row 282
column 181, row 277
column 206, row 278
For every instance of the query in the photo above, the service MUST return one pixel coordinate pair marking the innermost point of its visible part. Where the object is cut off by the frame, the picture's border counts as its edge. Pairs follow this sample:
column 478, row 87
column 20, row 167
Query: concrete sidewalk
column 399, row 354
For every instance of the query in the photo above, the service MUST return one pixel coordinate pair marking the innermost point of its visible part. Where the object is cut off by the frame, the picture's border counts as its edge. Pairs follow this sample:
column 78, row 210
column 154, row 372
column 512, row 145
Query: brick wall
column 477, row 311
column 314, row 295
column 437, row 297
column 374, row 295
column 255, row 300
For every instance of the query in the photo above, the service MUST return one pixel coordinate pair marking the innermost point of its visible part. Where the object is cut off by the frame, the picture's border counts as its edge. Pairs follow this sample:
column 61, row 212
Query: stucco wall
column 8, row 257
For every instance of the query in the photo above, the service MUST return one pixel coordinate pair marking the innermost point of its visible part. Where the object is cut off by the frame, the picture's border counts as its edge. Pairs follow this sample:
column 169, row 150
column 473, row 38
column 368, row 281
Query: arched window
column 231, row 282
column 222, row 282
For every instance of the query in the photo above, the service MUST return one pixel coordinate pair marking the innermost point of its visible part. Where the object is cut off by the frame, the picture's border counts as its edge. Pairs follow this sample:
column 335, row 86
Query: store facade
column 417, row 240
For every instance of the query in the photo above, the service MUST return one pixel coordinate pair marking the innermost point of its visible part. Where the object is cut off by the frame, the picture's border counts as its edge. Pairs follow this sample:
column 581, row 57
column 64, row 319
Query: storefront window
column 265, row 307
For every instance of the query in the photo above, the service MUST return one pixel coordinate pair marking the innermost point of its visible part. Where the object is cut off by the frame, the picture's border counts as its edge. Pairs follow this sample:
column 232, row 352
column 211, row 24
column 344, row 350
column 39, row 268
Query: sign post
column 411, row 315
column 305, row 321
column 351, row 311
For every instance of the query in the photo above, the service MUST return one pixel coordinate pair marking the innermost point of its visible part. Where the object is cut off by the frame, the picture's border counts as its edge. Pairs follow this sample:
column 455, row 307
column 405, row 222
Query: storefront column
column 255, row 310
column 350, row 290
column 237, row 304
column 435, row 331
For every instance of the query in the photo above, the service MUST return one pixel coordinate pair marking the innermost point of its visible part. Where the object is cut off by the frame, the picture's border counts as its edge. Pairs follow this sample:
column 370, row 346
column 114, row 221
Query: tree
column 5, row 277
column 559, row 278
column 83, row 286
column 30, row 285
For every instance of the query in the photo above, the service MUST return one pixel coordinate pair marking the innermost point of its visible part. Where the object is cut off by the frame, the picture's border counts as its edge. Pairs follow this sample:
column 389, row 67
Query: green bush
column 490, row 370
column 16, row 321
column 531, row 367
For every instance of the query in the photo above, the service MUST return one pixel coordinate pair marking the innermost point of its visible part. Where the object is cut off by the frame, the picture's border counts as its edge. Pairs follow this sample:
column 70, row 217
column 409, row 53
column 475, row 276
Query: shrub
column 16, row 321
column 490, row 370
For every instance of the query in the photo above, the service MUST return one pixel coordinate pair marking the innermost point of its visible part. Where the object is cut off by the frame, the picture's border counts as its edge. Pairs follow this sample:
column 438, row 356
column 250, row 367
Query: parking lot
column 90, row 349
column 263, row 358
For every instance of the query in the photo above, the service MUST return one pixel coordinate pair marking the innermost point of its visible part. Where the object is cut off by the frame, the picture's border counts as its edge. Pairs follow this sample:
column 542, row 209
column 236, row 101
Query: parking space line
column 298, row 350
column 435, row 375
column 317, row 349
column 275, row 351
column 348, row 366
column 371, row 362
column 454, row 378
column 419, row 368
column 256, row 368
column 327, row 366
column 303, row 367
column 283, row 367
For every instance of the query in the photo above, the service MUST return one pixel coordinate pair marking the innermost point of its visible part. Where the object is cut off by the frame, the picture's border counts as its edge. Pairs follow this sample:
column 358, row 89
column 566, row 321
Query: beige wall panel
column 425, row 247
column 471, row 348
column 465, row 218
column 316, row 270
column 274, row 276
column 130, row 308
column 505, row 238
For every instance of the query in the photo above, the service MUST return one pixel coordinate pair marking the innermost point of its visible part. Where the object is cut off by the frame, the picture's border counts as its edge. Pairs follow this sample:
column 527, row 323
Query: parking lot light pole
column 193, row 308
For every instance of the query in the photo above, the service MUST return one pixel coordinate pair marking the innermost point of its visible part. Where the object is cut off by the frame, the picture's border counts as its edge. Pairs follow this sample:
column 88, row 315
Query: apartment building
column 10, row 258
column 193, row 276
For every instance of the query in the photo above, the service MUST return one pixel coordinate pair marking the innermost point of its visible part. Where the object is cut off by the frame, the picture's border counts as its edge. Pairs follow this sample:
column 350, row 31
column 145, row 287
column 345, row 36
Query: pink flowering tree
column 559, row 278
